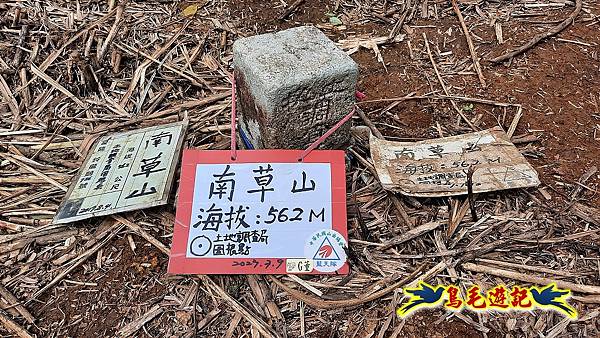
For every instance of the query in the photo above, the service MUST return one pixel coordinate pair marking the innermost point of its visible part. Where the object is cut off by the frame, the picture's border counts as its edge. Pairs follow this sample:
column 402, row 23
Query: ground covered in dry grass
column 73, row 71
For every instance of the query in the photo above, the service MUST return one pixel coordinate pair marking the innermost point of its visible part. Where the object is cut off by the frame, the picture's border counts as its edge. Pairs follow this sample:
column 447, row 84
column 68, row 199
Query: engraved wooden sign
column 124, row 171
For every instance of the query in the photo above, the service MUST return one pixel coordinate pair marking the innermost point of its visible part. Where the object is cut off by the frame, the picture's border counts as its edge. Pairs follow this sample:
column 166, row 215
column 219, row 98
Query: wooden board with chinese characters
column 439, row 167
column 124, row 171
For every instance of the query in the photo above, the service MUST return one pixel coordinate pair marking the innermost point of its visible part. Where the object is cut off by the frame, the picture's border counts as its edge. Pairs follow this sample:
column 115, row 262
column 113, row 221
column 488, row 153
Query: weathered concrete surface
column 293, row 86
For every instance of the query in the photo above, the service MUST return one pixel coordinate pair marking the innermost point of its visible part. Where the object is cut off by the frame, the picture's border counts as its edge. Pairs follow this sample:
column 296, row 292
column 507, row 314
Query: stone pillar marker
column 292, row 86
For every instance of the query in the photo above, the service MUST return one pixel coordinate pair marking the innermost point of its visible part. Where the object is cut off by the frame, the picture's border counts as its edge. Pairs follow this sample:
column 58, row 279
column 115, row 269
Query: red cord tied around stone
column 233, row 145
column 359, row 96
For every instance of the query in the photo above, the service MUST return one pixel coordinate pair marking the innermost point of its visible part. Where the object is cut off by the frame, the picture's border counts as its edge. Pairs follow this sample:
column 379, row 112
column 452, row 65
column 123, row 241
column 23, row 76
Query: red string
column 233, row 127
column 359, row 95
column 326, row 135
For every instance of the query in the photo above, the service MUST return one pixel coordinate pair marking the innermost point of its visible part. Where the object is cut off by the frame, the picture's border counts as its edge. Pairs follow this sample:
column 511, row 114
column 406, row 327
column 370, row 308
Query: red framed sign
column 262, row 213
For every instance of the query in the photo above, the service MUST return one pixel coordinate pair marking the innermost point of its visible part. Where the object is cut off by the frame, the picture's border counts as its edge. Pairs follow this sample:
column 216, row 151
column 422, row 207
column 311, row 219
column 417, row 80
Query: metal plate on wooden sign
column 124, row 171
column 439, row 167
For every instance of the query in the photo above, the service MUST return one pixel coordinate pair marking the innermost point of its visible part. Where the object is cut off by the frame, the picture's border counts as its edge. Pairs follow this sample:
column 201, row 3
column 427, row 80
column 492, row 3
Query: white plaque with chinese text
column 439, row 167
column 124, row 171
column 264, row 212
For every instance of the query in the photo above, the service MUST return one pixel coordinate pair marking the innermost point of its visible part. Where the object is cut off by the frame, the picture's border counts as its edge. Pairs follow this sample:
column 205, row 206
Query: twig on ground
column 591, row 289
column 441, row 81
column 13, row 301
column 137, row 324
column 12, row 326
column 338, row 304
column 536, row 39
column 292, row 8
column 471, row 198
column 474, row 56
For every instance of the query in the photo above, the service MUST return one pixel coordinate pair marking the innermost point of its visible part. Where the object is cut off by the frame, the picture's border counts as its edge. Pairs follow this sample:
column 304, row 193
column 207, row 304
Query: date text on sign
column 253, row 214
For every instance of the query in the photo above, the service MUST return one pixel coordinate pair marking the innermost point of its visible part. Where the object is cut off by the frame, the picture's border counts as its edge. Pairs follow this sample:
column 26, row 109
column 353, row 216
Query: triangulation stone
column 293, row 86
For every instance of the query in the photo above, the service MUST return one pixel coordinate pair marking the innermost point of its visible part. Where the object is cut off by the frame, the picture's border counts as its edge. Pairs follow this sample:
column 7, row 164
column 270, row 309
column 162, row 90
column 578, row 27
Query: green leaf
column 334, row 20
column 468, row 107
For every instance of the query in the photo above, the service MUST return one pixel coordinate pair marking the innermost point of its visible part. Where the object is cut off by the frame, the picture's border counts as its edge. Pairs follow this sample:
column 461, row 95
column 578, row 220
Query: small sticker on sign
column 299, row 265
column 327, row 249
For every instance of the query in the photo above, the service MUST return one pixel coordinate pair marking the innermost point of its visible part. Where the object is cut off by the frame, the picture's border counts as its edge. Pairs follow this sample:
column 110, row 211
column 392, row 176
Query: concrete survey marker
column 293, row 86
